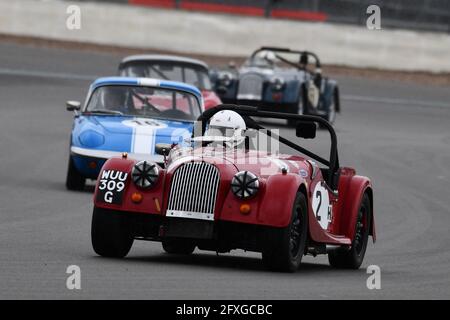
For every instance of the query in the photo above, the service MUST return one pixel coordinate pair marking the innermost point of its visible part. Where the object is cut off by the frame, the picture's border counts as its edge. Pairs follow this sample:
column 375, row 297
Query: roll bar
column 248, row 111
column 287, row 50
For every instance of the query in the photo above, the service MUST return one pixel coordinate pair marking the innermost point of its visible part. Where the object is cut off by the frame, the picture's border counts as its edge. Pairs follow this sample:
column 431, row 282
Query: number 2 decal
column 318, row 194
column 321, row 205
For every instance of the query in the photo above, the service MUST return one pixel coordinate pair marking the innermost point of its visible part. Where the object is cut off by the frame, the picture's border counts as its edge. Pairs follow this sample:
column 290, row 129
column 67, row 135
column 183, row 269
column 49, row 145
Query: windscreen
column 187, row 73
column 144, row 102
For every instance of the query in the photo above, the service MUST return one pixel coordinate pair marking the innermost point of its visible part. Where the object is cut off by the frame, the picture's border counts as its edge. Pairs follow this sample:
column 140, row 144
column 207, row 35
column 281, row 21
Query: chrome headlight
column 145, row 174
column 244, row 184
column 277, row 83
column 91, row 138
column 225, row 78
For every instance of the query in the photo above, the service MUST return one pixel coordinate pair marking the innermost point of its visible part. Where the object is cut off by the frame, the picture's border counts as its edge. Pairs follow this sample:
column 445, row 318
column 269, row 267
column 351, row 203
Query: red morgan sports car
column 222, row 194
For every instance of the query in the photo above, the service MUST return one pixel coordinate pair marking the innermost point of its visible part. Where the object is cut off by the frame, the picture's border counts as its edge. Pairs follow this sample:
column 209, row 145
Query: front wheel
column 111, row 233
column 353, row 258
column 74, row 180
column 285, row 249
column 331, row 112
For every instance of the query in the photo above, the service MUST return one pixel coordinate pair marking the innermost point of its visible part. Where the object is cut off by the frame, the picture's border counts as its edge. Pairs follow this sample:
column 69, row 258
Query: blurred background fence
column 343, row 42
column 429, row 15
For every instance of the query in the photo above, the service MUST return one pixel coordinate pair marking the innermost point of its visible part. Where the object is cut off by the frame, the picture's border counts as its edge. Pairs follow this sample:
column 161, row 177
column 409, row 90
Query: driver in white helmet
column 225, row 128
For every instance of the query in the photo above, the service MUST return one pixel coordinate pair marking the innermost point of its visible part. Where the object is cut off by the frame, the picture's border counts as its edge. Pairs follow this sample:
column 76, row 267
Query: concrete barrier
column 189, row 32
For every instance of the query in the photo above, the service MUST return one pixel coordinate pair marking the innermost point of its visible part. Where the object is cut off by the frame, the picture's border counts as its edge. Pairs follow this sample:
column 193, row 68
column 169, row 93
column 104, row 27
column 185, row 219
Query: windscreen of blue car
column 144, row 102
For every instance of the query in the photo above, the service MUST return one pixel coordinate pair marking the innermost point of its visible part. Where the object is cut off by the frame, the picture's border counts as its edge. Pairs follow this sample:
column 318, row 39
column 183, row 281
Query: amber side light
column 245, row 208
column 136, row 197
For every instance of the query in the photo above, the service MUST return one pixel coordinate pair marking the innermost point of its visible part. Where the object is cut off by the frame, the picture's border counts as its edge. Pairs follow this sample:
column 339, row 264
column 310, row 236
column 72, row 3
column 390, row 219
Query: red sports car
column 220, row 193
column 174, row 68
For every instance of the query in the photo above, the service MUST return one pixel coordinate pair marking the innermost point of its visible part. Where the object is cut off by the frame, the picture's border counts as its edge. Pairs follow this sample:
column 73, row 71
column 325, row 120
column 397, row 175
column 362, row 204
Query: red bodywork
column 211, row 99
column 271, row 206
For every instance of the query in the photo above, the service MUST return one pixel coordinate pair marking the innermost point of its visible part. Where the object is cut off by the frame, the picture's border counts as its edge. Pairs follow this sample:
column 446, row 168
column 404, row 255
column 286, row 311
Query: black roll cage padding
column 247, row 111
column 287, row 50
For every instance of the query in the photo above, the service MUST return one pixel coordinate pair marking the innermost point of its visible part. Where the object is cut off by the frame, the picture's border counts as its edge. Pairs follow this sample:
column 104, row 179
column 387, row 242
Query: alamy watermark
column 73, row 281
column 374, row 280
column 374, row 20
column 73, row 21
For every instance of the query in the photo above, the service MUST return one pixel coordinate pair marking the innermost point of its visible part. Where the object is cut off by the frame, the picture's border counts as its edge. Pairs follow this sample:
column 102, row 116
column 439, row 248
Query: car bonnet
column 143, row 133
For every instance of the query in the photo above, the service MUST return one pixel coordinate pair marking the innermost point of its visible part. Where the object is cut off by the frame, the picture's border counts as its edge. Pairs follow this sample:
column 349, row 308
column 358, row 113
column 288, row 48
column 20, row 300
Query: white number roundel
column 144, row 124
column 321, row 205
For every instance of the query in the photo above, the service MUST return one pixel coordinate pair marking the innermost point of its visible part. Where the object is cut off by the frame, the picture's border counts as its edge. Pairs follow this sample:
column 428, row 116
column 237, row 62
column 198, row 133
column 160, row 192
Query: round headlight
column 91, row 139
column 278, row 83
column 244, row 184
column 225, row 78
column 145, row 174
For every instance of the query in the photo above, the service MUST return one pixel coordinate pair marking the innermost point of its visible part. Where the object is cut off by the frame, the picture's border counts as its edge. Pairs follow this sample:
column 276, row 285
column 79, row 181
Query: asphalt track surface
column 398, row 134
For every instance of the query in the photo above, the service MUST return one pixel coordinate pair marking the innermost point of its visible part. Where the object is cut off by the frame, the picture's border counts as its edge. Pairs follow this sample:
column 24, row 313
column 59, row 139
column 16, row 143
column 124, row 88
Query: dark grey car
column 272, row 80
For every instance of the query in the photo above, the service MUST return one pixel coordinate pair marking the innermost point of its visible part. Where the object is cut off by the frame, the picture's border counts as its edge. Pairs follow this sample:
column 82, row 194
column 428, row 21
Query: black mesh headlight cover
column 145, row 174
column 244, row 184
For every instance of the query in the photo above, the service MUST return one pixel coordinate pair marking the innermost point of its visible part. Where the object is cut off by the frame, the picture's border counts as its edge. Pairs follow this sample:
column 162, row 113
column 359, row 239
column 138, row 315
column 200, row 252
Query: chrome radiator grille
column 193, row 191
column 250, row 87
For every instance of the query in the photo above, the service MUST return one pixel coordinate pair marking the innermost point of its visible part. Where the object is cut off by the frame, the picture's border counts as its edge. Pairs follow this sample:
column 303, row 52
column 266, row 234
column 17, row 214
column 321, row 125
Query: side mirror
column 163, row 149
column 73, row 105
column 306, row 130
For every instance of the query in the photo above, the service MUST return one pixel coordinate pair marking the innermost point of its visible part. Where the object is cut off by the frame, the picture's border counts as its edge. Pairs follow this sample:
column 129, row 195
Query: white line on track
column 404, row 102
column 45, row 74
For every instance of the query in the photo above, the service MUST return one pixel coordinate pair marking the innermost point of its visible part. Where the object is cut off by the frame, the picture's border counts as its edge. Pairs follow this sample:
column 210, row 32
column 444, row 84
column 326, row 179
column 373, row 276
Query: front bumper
column 218, row 235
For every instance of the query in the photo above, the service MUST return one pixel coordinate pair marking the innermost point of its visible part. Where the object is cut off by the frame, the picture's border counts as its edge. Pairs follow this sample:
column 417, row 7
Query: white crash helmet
column 269, row 56
column 226, row 126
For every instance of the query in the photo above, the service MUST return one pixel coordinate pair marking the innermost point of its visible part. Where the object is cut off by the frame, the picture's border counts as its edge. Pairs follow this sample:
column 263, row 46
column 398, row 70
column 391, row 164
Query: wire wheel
column 286, row 246
column 294, row 239
column 361, row 232
column 352, row 258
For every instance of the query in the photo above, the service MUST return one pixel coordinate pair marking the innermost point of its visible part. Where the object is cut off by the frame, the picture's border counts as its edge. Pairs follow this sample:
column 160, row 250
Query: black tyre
column 74, row 180
column 285, row 248
column 111, row 233
column 353, row 258
column 178, row 246
column 331, row 112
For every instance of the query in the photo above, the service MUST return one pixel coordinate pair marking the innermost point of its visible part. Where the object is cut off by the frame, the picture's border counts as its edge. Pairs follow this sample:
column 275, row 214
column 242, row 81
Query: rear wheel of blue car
column 352, row 258
column 74, row 180
column 111, row 234
column 285, row 248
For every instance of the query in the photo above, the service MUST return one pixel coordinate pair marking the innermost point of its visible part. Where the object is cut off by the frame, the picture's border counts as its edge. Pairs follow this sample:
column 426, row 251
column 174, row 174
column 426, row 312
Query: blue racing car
column 128, row 115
